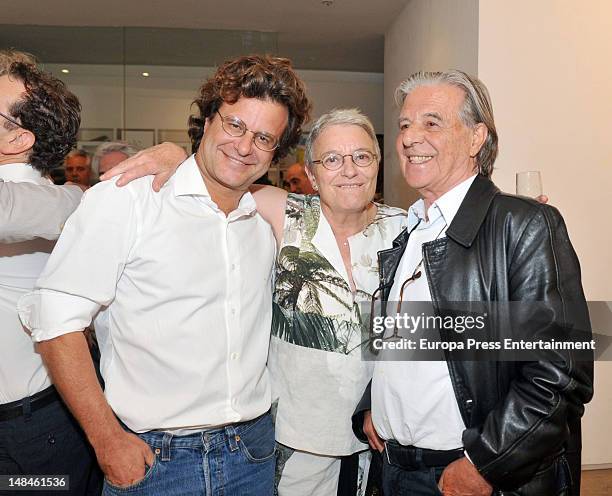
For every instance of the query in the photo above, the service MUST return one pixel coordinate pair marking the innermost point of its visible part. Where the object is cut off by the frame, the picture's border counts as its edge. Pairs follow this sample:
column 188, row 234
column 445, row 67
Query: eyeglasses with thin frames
column 12, row 121
column 333, row 160
column 416, row 274
column 236, row 128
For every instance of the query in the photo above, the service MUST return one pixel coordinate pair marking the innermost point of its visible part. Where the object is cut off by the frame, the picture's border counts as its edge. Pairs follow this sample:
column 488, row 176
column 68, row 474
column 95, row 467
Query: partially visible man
column 474, row 427
column 77, row 167
column 38, row 436
column 184, row 279
column 27, row 210
column 107, row 155
column 298, row 181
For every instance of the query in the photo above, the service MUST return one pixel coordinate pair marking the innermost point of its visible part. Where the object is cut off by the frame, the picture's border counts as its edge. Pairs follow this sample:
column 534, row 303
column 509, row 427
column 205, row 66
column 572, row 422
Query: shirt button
column 233, row 311
column 234, row 356
column 233, row 267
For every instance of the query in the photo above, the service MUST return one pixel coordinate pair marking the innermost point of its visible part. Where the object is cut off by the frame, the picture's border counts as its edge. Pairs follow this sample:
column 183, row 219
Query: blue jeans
column 420, row 482
column 232, row 461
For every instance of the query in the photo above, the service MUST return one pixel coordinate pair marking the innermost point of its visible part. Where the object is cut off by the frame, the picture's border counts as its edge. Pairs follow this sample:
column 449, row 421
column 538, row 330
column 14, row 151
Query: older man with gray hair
column 475, row 427
column 107, row 155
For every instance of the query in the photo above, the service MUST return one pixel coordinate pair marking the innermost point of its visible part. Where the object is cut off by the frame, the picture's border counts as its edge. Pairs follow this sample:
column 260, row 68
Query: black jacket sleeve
column 364, row 404
column 532, row 423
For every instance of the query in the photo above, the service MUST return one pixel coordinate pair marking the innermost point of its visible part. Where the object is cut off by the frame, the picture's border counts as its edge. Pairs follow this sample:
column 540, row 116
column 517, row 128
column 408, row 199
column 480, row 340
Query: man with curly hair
column 183, row 278
column 28, row 210
column 38, row 436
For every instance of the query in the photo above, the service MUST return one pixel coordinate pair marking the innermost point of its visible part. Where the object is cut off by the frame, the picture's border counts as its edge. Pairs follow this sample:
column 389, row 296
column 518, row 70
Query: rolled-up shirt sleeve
column 82, row 272
column 29, row 211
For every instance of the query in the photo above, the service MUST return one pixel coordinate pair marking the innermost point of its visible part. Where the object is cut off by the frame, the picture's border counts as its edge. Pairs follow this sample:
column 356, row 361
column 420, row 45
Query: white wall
column 548, row 67
column 428, row 35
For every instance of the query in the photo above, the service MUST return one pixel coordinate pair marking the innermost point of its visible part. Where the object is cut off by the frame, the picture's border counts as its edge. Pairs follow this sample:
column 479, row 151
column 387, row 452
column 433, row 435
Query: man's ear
column 18, row 142
column 479, row 136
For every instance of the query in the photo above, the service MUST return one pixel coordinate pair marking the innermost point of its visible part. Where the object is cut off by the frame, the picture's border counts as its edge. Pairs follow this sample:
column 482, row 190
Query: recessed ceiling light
column 145, row 74
column 65, row 71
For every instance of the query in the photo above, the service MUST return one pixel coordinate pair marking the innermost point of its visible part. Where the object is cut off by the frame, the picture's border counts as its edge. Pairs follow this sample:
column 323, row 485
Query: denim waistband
column 207, row 439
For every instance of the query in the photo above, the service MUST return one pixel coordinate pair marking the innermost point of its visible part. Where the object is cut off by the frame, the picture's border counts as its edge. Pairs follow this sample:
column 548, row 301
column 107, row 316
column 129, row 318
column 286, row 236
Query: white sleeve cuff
column 49, row 314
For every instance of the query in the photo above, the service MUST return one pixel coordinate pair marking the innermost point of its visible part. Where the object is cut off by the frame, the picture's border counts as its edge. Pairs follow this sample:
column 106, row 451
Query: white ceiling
column 347, row 35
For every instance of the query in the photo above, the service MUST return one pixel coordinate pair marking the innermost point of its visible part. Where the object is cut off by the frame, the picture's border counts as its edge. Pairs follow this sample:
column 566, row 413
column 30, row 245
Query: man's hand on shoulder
column 461, row 478
column 123, row 457
column 160, row 160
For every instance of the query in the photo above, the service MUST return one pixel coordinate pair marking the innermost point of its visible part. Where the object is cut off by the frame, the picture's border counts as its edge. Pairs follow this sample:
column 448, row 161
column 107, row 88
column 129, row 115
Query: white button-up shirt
column 187, row 299
column 413, row 402
column 22, row 372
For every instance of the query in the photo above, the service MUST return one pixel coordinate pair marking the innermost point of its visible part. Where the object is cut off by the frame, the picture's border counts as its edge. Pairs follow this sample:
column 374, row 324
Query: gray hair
column 110, row 147
column 476, row 108
column 78, row 152
column 340, row 117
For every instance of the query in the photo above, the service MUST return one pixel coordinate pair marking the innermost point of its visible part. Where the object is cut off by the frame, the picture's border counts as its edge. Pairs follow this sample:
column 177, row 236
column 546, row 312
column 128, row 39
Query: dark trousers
column 397, row 481
column 49, row 442
column 414, row 471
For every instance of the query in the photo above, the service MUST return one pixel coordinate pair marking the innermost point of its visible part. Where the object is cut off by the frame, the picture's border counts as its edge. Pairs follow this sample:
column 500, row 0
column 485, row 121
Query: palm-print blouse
column 315, row 359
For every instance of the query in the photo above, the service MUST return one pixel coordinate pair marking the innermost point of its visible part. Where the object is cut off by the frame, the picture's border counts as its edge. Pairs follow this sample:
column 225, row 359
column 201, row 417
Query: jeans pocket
column 257, row 442
column 132, row 487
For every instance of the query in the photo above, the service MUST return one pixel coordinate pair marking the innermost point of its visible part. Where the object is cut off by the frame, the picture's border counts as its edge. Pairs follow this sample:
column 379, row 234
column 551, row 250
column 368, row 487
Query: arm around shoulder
column 271, row 204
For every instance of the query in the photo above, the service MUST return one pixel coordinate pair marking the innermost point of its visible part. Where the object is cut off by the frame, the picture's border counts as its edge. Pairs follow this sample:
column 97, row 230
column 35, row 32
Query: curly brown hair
column 49, row 111
column 10, row 55
column 254, row 76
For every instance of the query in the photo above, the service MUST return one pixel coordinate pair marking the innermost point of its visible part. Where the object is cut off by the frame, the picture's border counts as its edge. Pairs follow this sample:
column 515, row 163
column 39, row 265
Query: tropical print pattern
column 315, row 361
column 314, row 306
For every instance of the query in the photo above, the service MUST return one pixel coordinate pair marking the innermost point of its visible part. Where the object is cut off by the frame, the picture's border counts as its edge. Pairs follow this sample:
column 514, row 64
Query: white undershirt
column 413, row 402
column 188, row 291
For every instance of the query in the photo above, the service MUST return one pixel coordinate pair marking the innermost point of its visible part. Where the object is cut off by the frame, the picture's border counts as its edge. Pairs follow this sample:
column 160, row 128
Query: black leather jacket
column 522, row 418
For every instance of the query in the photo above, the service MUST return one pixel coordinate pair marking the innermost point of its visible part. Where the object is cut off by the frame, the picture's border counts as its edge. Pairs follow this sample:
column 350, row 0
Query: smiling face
column 349, row 189
column 230, row 164
column 436, row 149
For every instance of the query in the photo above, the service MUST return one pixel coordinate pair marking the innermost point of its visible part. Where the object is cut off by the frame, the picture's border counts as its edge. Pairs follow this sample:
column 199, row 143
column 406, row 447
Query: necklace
column 369, row 219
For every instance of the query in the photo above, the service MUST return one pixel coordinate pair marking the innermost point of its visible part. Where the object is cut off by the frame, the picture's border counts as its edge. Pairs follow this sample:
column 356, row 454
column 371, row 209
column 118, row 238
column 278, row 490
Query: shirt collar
column 188, row 181
column 20, row 172
column 446, row 206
